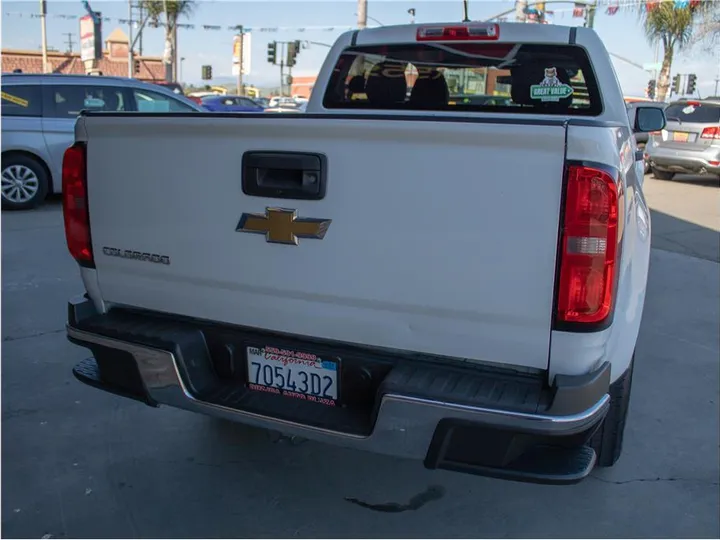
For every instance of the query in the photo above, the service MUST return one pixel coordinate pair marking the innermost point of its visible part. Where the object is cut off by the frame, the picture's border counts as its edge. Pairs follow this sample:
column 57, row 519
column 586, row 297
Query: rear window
column 68, row 100
column 507, row 77
column 21, row 100
column 701, row 113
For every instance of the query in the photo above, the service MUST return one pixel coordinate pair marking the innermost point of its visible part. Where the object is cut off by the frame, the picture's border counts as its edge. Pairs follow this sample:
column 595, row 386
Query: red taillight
column 465, row 32
column 712, row 133
column 75, row 205
column 589, row 246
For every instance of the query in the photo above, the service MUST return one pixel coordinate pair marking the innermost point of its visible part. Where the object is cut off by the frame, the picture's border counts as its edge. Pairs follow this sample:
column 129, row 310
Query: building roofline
column 30, row 52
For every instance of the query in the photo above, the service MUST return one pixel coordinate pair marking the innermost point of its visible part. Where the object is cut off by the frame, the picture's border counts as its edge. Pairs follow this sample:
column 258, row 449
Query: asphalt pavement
column 77, row 462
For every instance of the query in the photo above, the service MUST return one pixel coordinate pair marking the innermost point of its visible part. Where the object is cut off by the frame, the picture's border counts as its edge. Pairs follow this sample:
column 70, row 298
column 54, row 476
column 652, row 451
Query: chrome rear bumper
column 404, row 427
column 541, row 438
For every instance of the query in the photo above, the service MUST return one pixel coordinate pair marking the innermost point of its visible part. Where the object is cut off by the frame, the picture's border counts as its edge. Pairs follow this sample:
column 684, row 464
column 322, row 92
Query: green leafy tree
column 672, row 24
column 170, row 11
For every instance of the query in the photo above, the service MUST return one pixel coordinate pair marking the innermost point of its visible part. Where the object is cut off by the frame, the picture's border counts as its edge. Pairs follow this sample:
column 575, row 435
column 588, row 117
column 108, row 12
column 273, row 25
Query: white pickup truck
column 445, row 258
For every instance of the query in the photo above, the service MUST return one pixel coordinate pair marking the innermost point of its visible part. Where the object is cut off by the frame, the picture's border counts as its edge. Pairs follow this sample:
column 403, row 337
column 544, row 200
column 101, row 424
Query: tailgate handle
column 284, row 175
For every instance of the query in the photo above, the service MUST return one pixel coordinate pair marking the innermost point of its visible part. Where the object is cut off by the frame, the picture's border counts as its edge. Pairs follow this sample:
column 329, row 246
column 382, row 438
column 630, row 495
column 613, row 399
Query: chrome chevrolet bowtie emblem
column 282, row 226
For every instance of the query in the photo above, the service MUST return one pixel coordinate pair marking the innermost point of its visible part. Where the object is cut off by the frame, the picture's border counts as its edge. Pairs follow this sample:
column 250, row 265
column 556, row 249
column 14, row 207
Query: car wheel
column 663, row 175
column 24, row 182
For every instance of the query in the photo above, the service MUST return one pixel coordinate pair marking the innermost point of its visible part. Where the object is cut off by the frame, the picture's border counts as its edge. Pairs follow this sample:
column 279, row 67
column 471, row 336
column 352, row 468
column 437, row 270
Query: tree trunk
column 169, row 58
column 663, row 83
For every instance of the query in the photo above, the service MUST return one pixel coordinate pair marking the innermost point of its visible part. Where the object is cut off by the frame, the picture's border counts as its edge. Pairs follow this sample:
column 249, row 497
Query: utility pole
column 69, row 42
column 43, row 13
column 362, row 14
column 590, row 15
column 241, row 31
column 131, row 58
column 465, row 11
column 282, row 69
column 520, row 6
column 289, row 78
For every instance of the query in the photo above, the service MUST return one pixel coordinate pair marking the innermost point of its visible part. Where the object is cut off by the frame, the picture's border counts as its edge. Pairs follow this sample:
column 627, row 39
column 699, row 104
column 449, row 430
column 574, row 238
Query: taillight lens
column 589, row 246
column 75, row 204
column 712, row 133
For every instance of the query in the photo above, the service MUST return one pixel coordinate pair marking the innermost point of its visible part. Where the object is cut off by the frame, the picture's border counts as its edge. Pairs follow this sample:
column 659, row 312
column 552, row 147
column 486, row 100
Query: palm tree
column 171, row 11
column 671, row 23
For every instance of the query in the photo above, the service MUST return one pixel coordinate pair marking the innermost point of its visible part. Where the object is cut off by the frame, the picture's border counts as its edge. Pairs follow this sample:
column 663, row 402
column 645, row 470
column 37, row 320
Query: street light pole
column 465, row 11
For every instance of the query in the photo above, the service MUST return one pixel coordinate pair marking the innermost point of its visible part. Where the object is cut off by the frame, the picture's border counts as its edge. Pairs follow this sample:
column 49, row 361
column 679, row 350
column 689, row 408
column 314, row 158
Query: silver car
column 38, row 122
column 690, row 142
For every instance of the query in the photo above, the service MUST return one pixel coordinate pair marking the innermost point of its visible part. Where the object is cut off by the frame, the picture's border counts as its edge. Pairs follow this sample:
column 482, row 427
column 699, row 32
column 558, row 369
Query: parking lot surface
column 77, row 462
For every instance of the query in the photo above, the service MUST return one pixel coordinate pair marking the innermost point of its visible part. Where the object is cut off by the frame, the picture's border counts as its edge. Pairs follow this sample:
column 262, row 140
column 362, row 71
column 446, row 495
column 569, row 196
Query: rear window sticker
column 551, row 88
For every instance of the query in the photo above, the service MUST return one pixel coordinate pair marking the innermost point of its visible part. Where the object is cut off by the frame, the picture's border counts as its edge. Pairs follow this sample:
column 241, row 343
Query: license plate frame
column 286, row 366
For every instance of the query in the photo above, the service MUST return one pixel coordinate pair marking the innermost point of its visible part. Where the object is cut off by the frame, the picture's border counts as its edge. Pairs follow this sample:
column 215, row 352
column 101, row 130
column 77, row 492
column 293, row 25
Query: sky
column 323, row 22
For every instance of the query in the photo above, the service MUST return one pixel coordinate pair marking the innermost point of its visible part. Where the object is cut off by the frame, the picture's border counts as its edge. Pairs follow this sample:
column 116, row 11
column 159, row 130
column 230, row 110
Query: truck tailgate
column 442, row 235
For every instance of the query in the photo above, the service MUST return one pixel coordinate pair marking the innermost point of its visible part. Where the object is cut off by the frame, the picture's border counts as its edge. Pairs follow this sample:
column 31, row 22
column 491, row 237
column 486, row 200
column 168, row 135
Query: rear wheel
column 24, row 182
column 608, row 439
column 662, row 175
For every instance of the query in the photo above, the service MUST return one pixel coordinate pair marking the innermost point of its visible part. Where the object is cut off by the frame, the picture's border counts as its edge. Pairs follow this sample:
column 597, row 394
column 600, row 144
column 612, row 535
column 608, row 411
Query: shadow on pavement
column 709, row 181
column 670, row 233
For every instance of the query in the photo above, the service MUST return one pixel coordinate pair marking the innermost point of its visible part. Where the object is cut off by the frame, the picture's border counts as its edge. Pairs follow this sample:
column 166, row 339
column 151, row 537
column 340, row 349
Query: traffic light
column 691, row 84
column 136, row 67
column 652, row 84
column 293, row 48
column 272, row 52
column 206, row 73
column 676, row 84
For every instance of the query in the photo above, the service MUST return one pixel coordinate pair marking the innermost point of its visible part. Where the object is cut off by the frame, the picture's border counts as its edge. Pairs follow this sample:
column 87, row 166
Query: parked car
column 641, row 138
column 498, row 338
column 174, row 87
column 690, row 143
column 281, row 101
column 38, row 124
column 287, row 107
column 262, row 101
column 230, row 104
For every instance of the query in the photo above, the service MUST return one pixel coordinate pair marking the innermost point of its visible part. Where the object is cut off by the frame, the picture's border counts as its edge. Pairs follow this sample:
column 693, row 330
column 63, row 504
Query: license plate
column 680, row 136
column 291, row 373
